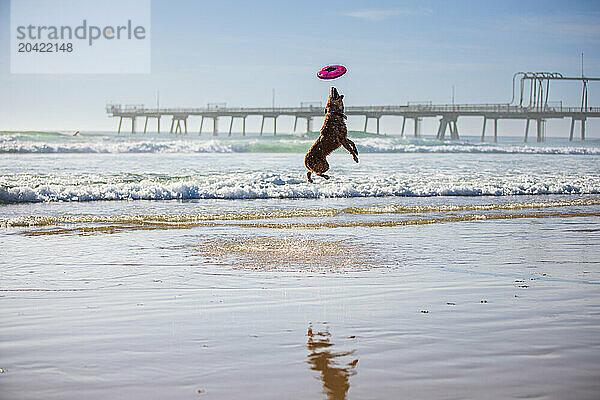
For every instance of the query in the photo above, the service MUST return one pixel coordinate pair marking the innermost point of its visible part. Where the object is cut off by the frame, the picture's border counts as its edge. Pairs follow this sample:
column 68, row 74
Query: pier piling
column 483, row 129
column 417, row 126
column 262, row 125
column 572, row 128
column 495, row 130
column 403, row 124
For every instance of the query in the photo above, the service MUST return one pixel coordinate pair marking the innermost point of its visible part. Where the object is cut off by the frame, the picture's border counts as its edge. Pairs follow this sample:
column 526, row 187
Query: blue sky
column 396, row 51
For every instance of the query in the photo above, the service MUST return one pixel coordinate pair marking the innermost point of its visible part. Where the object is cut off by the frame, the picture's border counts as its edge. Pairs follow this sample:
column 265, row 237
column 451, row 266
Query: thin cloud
column 570, row 27
column 378, row 15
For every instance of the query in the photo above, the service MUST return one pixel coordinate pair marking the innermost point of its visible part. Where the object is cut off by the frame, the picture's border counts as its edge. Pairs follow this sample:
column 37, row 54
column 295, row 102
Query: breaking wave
column 60, row 143
column 260, row 185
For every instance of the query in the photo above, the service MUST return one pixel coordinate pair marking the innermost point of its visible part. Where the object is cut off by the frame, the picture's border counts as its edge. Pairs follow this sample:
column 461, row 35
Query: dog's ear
column 334, row 93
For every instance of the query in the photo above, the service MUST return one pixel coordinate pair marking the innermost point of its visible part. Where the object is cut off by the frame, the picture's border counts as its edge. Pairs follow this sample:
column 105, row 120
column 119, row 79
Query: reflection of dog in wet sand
column 333, row 135
column 335, row 378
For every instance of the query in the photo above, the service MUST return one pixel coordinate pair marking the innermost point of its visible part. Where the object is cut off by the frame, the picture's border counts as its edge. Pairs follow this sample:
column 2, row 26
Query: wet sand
column 481, row 299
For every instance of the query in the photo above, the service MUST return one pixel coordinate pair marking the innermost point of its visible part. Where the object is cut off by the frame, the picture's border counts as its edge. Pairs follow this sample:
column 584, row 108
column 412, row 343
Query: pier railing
column 141, row 110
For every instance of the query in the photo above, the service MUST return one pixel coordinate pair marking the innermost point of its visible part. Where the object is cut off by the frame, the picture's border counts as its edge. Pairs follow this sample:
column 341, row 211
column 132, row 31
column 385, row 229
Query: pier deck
column 532, row 85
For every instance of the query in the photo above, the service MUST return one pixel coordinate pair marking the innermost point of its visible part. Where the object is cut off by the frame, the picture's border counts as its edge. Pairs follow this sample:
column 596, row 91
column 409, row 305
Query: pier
column 533, row 106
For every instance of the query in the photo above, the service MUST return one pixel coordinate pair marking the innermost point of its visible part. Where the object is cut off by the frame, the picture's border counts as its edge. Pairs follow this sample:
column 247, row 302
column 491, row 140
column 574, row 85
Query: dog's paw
column 355, row 158
column 324, row 176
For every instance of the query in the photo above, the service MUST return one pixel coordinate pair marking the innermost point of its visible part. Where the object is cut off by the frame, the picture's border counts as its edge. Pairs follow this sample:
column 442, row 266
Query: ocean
column 183, row 266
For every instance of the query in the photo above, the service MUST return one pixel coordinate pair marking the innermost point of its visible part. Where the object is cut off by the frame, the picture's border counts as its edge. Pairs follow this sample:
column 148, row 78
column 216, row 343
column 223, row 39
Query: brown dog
column 333, row 135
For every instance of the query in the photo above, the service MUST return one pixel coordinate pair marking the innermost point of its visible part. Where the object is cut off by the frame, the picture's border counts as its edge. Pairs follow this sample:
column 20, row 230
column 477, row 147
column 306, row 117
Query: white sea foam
column 258, row 185
column 116, row 147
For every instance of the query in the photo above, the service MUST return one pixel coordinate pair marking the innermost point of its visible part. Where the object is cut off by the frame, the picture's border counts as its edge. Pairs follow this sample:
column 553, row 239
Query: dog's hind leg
column 308, row 176
column 318, row 166
column 349, row 145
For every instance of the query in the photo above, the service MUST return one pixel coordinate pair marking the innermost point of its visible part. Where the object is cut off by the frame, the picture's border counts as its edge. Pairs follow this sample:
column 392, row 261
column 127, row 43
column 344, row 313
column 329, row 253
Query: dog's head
column 335, row 102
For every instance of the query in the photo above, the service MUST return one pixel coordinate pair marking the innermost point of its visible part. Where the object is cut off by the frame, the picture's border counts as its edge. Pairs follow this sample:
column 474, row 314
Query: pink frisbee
column 331, row 72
